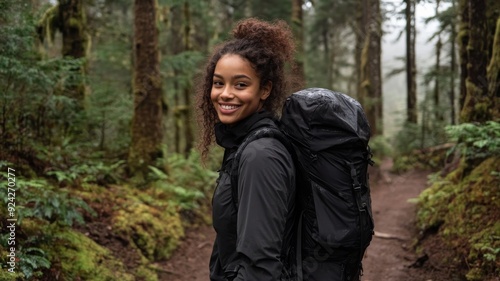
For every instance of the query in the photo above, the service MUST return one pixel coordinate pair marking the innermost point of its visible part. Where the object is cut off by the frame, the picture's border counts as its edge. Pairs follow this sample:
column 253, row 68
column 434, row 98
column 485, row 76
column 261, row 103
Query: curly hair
column 267, row 46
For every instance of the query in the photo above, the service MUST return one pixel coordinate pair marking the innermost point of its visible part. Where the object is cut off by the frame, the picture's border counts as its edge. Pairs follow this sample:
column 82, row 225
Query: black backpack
column 327, row 134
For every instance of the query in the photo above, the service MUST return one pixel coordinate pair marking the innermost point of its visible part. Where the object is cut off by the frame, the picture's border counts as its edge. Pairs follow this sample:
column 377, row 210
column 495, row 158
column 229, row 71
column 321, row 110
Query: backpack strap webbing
column 362, row 206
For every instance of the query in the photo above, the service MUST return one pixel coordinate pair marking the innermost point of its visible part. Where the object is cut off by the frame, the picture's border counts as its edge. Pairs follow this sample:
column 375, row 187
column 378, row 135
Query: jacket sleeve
column 265, row 186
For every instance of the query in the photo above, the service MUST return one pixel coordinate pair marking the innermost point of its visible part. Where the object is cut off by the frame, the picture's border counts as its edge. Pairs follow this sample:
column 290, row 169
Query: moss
column 467, row 211
column 145, row 274
column 144, row 217
column 80, row 258
column 155, row 232
column 48, row 24
column 5, row 275
column 8, row 276
column 74, row 23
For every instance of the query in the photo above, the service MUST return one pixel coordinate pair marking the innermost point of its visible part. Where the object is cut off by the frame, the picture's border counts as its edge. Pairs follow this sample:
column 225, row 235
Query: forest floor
column 390, row 256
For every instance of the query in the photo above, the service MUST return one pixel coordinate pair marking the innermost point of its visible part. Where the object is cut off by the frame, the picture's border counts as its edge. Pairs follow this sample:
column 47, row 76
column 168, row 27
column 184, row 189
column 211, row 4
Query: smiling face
column 236, row 92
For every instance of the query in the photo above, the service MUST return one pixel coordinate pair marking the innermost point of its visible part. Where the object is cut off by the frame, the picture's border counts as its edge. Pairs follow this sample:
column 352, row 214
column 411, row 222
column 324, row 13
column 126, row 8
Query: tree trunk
column 326, row 48
column 437, row 112
column 477, row 104
column 298, row 33
column 463, row 41
column 411, row 70
column 494, row 75
column 453, row 67
column 187, row 90
column 371, row 79
column 177, row 116
column 75, row 41
column 147, row 125
column 360, row 33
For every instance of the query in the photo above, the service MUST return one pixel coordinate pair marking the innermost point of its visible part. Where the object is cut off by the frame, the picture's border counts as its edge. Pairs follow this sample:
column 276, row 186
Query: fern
column 31, row 260
column 476, row 140
column 38, row 199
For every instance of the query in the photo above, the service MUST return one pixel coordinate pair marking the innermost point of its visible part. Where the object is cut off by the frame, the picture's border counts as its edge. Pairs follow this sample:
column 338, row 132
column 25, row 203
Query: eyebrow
column 238, row 76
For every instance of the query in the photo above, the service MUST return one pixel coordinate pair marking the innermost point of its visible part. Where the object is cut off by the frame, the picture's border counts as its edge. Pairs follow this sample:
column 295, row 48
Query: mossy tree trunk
column 411, row 69
column 477, row 104
column 298, row 33
column 75, row 42
column 494, row 75
column 147, row 125
column 370, row 68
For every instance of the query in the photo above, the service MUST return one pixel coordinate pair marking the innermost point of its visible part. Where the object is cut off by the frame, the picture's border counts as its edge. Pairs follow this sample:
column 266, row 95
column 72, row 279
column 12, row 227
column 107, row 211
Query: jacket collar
column 231, row 136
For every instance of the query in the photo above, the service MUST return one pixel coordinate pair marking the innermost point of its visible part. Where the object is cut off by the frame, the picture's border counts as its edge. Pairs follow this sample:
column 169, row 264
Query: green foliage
column 39, row 199
column 187, row 182
column 408, row 139
column 33, row 110
column 90, row 172
column 31, row 260
column 329, row 45
column 476, row 140
column 380, row 148
column 417, row 146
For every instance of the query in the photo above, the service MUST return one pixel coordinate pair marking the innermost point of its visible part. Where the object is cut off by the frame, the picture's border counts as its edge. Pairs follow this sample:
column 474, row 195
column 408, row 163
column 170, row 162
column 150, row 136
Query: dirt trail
column 389, row 257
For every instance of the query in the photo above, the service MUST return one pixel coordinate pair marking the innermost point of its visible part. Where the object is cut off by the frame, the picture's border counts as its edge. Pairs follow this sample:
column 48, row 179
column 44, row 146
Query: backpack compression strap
column 362, row 207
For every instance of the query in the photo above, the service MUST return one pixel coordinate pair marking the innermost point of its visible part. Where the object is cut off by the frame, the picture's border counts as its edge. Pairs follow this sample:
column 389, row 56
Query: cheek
column 213, row 96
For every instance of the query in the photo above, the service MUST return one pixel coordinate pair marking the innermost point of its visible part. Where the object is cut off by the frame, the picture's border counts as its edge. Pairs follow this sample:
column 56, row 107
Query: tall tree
column 68, row 17
column 436, row 98
column 329, row 44
column 463, row 42
column 188, row 130
column 494, row 74
column 411, row 70
column 298, row 33
column 147, row 125
column 453, row 64
column 370, row 94
column 476, row 103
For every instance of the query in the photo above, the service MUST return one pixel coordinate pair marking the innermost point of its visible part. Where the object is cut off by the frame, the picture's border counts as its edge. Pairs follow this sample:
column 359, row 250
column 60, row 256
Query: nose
column 226, row 93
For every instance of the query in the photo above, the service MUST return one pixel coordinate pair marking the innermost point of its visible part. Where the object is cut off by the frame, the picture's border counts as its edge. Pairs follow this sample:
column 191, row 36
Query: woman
column 244, row 88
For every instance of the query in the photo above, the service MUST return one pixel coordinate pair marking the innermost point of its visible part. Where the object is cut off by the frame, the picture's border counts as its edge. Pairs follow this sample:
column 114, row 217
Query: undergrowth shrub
column 380, row 147
column 187, row 181
column 476, row 140
column 463, row 206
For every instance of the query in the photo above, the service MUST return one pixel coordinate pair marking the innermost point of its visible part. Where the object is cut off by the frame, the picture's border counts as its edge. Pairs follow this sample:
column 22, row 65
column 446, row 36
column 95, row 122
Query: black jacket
column 255, row 237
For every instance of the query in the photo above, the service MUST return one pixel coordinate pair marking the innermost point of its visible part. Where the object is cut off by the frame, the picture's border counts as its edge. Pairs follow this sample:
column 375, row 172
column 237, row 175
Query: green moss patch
column 143, row 219
column 80, row 258
column 156, row 232
column 465, row 208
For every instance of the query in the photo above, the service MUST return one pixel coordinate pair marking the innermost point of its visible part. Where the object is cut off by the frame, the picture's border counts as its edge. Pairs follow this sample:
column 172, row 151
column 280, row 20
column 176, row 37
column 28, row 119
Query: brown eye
column 241, row 85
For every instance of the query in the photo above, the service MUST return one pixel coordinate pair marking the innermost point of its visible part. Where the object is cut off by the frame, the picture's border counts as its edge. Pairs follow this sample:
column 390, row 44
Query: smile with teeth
column 229, row 107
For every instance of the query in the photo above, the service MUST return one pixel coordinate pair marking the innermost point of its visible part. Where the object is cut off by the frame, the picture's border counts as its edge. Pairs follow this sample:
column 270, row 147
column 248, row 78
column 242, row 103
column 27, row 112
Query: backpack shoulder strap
column 264, row 132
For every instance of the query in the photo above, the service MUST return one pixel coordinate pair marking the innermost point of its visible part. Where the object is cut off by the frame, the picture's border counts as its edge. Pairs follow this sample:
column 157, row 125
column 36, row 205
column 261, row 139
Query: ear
column 265, row 91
